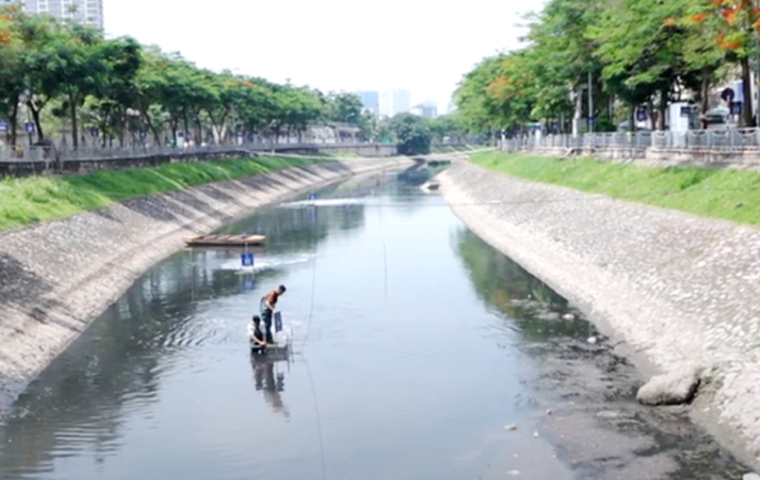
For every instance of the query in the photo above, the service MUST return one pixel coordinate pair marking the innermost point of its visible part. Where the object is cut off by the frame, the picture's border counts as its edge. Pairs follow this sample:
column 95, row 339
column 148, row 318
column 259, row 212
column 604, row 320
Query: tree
column 71, row 63
column 343, row 107
column 734, row 25
column 446, row 126
column 560, row 55
column 412, row 134
column 70, row 71
column 476, row 108
column 119, row 92
column 637, row 51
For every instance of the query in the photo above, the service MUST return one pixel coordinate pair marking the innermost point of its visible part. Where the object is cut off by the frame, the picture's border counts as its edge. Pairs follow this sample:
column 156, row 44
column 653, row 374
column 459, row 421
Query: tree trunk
column 578, row 114
column 747, row 116
column 151, row 127
column 186, row 124
column 36, row 118
column 663, row 109
column 121, row 126
column 705, row 91
column 198, row 131
column 632, row 118
column 13, row 124
column 74, row 125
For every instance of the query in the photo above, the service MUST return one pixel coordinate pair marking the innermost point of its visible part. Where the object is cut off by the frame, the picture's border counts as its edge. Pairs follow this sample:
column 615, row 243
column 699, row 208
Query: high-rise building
column 401, row 101
column 426, row 109
column 89, row 12
column 370, row 101
column 394, row 102
column 386, row 108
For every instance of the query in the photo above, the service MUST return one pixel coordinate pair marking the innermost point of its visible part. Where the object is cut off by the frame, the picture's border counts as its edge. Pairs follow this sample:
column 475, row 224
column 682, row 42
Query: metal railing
column 717, row 140
column 51, row 154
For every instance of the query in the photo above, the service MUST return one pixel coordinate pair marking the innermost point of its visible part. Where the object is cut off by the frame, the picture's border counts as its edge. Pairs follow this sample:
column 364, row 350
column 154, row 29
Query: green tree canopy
column 412, row 134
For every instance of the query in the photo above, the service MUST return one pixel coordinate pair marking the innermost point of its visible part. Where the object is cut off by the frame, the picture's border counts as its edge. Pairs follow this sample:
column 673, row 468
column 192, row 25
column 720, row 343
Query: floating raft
column 225, row 240
column 273, row 352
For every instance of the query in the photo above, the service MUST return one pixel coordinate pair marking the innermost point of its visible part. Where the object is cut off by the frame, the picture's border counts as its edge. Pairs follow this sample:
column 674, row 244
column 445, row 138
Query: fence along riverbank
column 731, row 147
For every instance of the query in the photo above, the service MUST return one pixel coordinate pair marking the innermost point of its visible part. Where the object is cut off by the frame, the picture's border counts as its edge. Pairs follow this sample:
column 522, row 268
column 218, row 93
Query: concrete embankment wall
column 680, row 290
column 56, row 277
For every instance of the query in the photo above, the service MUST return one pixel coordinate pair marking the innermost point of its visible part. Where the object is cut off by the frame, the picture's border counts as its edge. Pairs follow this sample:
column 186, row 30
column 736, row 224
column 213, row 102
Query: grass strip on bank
column 714, row 192
column 36, row 198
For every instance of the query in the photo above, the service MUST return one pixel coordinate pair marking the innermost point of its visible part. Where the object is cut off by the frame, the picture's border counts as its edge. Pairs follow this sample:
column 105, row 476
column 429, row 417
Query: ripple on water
column 263, row 263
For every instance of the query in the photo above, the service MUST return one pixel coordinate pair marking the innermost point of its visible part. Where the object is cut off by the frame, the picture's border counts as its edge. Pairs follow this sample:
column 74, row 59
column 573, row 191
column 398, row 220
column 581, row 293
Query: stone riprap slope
column 56, row 277
column 681, row 289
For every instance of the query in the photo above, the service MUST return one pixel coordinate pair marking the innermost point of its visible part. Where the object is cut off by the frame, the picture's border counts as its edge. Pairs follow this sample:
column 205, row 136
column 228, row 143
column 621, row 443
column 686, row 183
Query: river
column 419, row 353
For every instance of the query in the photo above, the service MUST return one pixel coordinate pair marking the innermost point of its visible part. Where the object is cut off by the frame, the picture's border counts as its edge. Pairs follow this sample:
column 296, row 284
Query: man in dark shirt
column 268, row 303
column 254, row 330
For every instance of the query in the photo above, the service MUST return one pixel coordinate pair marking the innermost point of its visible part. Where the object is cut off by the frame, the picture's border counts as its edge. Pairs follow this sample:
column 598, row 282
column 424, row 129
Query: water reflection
column 528, row 304
column 269, row 382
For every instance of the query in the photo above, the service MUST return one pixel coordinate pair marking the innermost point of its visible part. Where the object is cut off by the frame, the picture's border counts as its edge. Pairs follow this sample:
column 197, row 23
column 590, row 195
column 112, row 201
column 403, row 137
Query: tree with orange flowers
column 731, row 27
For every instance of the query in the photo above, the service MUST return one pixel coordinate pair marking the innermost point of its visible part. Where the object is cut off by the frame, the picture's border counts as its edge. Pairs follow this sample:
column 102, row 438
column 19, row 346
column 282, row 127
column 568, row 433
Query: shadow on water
column 596, row 424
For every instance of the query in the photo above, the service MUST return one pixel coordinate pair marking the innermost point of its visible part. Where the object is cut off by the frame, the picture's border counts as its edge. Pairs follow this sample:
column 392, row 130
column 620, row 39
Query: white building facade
column 89, row 12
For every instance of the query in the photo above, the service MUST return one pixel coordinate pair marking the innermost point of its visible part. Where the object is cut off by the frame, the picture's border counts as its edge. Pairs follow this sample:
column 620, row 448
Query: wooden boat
column 225, row 240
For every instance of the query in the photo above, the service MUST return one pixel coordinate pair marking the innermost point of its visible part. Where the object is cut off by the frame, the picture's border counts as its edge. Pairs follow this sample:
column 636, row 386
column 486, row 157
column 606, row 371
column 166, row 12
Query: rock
column 511, row 427
column 676, row 387
column 568, row 316
column 591, row 340
column 548, row 411
column 751, row 476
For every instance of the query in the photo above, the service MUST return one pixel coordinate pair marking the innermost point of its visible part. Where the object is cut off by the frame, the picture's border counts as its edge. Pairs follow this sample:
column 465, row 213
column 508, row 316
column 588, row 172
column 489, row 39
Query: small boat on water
column 225, row 240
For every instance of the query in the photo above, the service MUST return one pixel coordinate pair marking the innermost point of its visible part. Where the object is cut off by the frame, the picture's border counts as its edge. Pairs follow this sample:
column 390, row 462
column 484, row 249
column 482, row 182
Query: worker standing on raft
column 268, row 303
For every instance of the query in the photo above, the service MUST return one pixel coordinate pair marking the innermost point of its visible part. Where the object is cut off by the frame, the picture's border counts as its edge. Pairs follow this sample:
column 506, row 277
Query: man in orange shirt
column 268, row 302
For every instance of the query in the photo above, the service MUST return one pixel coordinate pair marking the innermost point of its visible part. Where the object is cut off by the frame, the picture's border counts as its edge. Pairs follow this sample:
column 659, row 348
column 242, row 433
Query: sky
column 333, row 45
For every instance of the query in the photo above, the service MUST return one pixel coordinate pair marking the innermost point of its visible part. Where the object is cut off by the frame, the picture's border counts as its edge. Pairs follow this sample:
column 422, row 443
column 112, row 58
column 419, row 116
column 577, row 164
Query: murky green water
column 420, row 345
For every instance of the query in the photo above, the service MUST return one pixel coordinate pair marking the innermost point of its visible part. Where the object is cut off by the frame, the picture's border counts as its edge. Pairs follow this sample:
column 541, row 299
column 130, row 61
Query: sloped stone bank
column 56, row 277
column 682, row 291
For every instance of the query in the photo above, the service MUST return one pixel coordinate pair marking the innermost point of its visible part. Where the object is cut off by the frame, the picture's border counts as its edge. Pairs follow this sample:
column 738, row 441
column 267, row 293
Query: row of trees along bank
column 631, row 52
column 63, row 76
